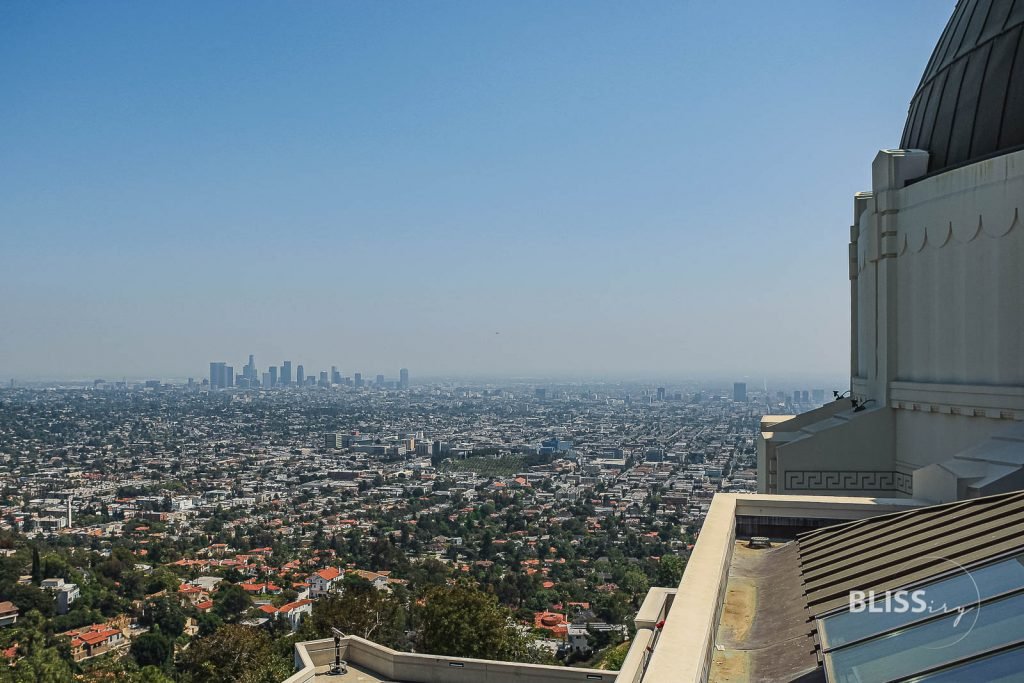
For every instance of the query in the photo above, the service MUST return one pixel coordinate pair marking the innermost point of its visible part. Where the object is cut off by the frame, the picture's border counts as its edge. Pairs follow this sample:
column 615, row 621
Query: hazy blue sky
column 615, row 187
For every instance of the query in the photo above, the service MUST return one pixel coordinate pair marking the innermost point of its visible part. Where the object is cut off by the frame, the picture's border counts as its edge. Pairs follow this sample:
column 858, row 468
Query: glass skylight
column 956, row 591
column 1003, row 667
column 933, row 643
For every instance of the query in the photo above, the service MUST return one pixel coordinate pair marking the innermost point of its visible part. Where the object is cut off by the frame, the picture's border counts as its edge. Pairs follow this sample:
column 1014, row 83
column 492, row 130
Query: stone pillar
column 890, row 172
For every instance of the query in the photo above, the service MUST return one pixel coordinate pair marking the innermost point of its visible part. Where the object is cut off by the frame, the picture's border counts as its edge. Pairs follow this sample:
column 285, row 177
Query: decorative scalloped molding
column 939, row 236
column 914, row 240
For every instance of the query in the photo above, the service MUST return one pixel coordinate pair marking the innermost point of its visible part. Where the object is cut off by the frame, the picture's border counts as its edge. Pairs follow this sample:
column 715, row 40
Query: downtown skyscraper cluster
column 222, row 376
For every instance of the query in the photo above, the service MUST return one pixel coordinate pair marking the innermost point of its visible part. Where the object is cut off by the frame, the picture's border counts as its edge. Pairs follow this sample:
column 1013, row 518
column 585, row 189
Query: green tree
column 231, row 602
column 429, row 572
column 41, row 665
column 670, row 570
column 360, row 610
column 208, row 622
column 152, row 649
column 152, row 674
column 635, row 583
column 233, row 653
column 161, row 579
column 37, row 568
column 31, row 598
column 165, row 613
column 613, row 607
column 462, row 621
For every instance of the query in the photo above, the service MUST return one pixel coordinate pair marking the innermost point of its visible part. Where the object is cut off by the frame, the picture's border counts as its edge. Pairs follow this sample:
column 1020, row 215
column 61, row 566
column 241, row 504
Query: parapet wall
column 419, row 668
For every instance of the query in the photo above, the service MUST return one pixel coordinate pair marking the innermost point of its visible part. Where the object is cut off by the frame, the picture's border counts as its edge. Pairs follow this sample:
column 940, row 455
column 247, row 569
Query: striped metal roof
column 895, row 550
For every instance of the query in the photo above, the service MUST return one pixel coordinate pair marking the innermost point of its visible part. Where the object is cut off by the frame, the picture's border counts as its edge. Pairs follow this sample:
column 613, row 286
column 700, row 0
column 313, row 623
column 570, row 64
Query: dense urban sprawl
column 147, row 528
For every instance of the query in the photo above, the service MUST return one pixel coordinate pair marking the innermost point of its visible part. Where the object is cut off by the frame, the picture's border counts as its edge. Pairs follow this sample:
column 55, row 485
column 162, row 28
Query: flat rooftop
column 765, row 632
column 356, row 674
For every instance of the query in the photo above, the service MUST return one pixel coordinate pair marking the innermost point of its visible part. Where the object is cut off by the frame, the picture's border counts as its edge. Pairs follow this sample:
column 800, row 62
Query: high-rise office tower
column 286, row 373
column 335, row 375
column 796, row 396
column 217, row 375
column 403, row 378
column 249, row 371
column 222, row 376
column 323, row 378
column 739, row 392
column 380, row 380
column 661, row 393
column 357, row 379
column 273, row 376
column 267, row 382
column 300, row 375
column 806, row 396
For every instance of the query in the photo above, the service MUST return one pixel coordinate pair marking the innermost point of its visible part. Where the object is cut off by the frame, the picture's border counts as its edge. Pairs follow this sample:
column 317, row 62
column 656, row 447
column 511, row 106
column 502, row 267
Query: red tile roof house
column 295, row 612
column 95, row 640
column 378, row 579
column 192, row 594
column 551, row 621
column 323, row 581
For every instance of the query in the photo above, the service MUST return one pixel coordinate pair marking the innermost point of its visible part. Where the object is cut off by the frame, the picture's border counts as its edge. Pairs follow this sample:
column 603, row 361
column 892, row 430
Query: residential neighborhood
column 130, row 511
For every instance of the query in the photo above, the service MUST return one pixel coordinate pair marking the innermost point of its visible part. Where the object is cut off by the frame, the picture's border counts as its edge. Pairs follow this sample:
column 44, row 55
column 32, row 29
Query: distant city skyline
column 572, row 189
column 222, row 376
column 272, row 374
column 268, row 376
column 725, row 381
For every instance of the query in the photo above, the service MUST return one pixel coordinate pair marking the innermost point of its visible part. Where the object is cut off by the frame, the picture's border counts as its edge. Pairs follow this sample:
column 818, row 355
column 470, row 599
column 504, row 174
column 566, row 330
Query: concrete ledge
column 633, row 666
column 419, row 668
column 686, row 644
column 655, row 607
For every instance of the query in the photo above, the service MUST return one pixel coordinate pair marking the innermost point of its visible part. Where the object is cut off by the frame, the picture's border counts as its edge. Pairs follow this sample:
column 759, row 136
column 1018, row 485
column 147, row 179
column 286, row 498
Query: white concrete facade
column 937, row 342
